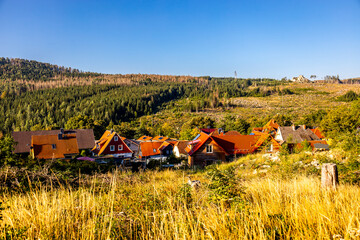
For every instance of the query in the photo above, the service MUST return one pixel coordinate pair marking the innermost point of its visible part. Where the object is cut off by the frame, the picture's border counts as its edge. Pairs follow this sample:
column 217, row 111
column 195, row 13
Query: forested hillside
column 37, row 96
column 105, row 102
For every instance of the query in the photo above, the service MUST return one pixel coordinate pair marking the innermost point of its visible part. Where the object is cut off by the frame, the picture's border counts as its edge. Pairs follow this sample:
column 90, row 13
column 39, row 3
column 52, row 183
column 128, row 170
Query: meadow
column 251, row 198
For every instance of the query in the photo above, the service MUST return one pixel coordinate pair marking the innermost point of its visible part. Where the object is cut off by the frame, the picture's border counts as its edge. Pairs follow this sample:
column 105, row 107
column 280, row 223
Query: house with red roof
column 111, row 144
column 207, row 149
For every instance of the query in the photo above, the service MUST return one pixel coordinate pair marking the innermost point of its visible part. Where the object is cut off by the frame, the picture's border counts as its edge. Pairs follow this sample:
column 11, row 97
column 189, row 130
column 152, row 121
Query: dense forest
column 130, row 106
column 108, row 104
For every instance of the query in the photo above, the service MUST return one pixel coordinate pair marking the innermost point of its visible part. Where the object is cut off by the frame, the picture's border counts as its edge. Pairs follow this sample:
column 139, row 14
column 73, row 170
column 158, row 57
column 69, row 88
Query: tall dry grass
column 149, row 205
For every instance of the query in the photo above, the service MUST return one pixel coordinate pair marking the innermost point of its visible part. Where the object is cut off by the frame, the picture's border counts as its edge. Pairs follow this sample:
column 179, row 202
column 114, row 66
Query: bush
column 223, row 186
column 349, row 96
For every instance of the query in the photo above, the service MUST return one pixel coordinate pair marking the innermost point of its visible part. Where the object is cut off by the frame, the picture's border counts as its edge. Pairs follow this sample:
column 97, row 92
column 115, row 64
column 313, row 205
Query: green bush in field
column 349, row 96
column 224, row 186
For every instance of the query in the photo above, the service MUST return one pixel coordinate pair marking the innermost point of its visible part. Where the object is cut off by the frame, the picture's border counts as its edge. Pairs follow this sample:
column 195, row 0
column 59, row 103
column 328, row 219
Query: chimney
column 62, row 131
column 111, row 131
column 293, row 127
column 304, row 127
column 220, row 131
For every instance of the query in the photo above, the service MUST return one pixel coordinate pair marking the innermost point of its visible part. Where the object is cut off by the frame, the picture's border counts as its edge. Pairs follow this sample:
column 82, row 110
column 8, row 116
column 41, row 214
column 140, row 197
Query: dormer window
column 209, row 148
column 160, row 138
column 116, row 138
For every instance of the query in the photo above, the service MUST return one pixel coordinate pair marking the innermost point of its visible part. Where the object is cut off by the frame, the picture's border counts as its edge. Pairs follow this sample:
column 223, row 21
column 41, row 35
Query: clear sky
column 256, row 38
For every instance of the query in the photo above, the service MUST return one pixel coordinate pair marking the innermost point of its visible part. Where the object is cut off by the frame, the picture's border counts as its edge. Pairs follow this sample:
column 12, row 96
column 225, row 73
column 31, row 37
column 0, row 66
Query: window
column 209, row 148
column 112, row 148
column 269, row 148
column 53, row 146
column 120, row 147
column 154, row 150
column 116, row 138
column 167, row 152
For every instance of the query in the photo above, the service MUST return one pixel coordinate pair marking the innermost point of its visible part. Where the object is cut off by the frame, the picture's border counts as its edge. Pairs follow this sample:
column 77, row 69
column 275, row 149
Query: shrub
column 349, row 96
column 183, row 196
column 223, row 186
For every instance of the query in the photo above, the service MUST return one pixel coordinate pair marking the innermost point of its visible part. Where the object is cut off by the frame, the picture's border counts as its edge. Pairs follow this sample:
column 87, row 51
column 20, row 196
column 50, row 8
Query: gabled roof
column 298, row 134
column 236, row 144
column 318, row 133
column 258, row 129
column 150, row 148
column 208, row 130
column 164, row 145
column 144, row 138
column 263, row 137
column 198, row 142
column 160, row 138
column 181, row 145
column 50, row 146
column 229, row 133
column 231, row 144
column 105, row 140
column 271, row 125
column 85, row 138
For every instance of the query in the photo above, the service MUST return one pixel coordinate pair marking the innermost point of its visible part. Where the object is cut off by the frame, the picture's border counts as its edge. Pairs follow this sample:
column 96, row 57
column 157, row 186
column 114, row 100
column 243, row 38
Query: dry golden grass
column 147, row 206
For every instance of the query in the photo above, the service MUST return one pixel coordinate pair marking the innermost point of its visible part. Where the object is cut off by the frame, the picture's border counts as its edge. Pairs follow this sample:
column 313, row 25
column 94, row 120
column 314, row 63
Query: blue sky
column 256, row 38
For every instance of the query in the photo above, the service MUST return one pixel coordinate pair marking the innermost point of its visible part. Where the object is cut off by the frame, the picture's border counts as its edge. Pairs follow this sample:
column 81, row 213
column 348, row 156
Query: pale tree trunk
column 329, row 175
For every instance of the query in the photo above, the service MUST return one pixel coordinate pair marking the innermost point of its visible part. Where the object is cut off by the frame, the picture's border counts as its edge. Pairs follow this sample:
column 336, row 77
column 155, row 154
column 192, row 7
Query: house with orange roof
column 207, row 149
column 112, row 144
column 58, row 146
column 150, row 150
column 204, row 150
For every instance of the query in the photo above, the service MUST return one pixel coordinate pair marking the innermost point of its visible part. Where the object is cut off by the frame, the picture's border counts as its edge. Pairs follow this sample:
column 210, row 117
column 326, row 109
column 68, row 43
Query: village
column 210, row 146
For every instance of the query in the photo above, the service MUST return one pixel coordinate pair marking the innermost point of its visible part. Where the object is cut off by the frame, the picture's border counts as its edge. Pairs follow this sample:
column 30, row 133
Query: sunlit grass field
column 154, row 205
